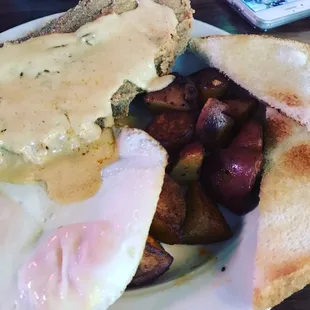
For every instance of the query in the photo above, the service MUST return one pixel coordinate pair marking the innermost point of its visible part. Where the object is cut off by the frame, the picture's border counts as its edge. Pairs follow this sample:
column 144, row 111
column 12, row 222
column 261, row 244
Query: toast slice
column 283, row 251
column 88, row 10
column 274, row 70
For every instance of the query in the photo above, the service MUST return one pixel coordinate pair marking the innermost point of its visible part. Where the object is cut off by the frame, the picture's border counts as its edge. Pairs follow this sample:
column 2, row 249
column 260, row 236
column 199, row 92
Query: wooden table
column 215, row 12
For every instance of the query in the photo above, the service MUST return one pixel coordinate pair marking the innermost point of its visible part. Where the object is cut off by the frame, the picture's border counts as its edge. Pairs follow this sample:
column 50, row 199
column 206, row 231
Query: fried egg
column 82, row 255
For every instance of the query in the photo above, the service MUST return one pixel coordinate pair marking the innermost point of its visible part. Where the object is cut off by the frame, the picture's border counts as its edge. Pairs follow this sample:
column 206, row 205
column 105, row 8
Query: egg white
column 82, row 255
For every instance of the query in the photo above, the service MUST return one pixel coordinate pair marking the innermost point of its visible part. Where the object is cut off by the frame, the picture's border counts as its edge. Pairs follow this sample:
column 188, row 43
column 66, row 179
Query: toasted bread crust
column 88, row 10
column 278, row 128
column 282, row 287
column 283, row 251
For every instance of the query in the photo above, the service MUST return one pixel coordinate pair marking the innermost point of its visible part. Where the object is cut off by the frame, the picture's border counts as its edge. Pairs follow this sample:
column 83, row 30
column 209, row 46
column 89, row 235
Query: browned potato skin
column 173, row 129
column 180, row 95
column 210, row 84
column 204, row 223
column 229, row 176
column 170, row 213
column 154, row 263
column 250, row 136
column 214, row 125
column 240, row 109
column 187, row 168
column 151, row 241
column 235, row 91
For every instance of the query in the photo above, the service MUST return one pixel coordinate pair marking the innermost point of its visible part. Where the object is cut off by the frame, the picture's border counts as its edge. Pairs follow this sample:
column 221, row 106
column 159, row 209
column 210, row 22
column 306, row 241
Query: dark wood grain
column 215, row 12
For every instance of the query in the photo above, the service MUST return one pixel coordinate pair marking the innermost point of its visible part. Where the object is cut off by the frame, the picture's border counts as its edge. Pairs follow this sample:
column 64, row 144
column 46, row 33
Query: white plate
column 195, row 281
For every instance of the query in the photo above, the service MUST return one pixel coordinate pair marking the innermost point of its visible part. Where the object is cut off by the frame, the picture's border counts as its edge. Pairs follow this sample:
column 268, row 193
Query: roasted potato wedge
column 250, row 136
column 210, row 84
column 154, row 263
column 204, row 222
column 180, row 95
column 187, row 168
column 170, row 213
column 235, row 91
column 240, row 109
column 173, row 129
column 214, row 126
column 229, row 176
